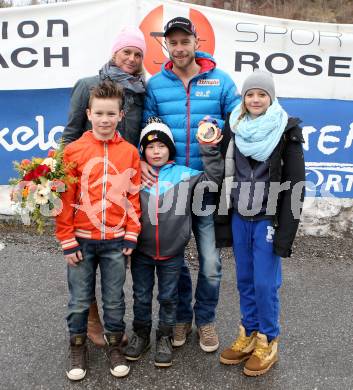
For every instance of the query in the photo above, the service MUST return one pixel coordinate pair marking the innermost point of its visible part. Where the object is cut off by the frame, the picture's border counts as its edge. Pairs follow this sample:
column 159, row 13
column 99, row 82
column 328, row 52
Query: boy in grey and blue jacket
column 166, row 230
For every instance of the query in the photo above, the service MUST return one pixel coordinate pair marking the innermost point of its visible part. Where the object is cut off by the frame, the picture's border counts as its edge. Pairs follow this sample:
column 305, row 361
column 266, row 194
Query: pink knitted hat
column 130, row 36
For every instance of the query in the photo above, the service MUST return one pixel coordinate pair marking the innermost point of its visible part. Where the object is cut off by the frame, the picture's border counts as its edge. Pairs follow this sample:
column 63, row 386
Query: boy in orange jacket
column 99, row 225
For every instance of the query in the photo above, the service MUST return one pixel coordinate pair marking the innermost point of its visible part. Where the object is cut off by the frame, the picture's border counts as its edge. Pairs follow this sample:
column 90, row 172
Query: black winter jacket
column 286, row 164
column 78, row 123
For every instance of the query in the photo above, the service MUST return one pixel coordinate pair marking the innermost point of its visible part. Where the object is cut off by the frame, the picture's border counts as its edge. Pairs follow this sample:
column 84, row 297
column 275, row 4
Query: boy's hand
column 148, row 174
column 127, row 251
column 73, row 258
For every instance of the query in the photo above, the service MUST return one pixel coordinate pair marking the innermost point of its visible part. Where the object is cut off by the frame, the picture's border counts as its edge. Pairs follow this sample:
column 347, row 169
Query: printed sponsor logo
column 209, row 82
column 270, row 233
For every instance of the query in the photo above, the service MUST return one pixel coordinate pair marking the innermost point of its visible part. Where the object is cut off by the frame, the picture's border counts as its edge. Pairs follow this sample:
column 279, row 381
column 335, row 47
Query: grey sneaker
column 208, row 338
column 164, row 351
column 181, row 332
column 137, row 346
column 77, row 359
column 118, row 364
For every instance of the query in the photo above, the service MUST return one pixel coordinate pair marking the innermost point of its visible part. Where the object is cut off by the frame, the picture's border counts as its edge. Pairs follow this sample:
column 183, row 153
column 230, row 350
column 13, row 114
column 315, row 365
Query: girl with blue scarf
column 265, row 179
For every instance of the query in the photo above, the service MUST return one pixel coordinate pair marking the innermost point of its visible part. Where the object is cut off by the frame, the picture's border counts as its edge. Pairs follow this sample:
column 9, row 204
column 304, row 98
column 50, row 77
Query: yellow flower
column 37, row 160
column 25, row 192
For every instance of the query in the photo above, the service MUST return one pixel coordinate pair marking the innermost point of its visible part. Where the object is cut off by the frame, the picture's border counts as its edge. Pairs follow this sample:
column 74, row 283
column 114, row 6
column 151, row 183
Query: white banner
column 51, row 46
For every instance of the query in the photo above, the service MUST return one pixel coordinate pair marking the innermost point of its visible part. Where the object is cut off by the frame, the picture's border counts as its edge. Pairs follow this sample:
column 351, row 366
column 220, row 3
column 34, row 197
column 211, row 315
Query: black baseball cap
column 180, row 23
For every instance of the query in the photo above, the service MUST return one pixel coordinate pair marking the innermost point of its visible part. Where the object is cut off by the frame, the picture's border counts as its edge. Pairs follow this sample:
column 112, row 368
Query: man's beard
column 187, row 61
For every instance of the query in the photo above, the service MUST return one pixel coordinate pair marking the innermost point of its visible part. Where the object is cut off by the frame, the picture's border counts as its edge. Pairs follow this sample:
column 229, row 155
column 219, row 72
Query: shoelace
column 261, row 351
column 240, row 343
column 163, row 345
column 116, row 357
column 208, row 332
column 134, row 340
column 180, row 331
column 77, row 355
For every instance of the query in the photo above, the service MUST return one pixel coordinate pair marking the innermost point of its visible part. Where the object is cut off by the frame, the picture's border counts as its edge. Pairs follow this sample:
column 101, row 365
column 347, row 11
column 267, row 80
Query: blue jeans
column 208, row 280
column 142, row 269
column 258, row 274
column 82, row 281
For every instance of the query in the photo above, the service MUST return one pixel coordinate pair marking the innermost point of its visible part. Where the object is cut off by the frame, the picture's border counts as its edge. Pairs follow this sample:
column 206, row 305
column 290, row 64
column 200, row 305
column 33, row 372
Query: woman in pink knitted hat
column 125, row 67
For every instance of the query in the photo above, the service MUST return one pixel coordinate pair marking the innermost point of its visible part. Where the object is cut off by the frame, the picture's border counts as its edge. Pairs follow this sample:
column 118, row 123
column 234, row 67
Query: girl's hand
column 148, row 174
column 73, row 258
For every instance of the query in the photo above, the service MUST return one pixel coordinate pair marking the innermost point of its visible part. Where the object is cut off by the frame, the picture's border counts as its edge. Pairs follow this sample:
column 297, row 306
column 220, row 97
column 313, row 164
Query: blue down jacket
column 211, row 92
column 166, row 206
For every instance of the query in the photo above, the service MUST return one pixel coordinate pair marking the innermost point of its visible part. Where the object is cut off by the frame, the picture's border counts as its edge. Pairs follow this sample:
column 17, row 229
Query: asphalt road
column 316, row 346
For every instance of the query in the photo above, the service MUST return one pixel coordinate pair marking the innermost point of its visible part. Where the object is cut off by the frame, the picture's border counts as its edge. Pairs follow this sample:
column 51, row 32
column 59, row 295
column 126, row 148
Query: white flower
column 41, row 196
column 50, row 162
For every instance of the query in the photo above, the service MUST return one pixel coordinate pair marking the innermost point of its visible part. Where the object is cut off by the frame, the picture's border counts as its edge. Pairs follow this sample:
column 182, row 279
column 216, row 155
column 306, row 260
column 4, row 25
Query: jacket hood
column 293, row 130
column 292, row 122
column 205, row 60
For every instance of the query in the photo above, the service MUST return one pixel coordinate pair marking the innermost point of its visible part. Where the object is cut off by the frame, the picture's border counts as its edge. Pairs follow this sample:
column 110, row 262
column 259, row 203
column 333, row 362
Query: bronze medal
column 207, row 132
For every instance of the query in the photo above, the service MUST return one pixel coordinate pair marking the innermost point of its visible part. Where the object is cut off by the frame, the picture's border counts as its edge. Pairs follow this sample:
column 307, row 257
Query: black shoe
column 164, row 350
column 118, row 363
column 137, row 346
column 77, row 359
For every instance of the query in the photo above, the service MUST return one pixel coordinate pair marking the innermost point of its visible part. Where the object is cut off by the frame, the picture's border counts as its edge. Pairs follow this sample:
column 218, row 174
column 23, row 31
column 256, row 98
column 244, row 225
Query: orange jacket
column 104, row 202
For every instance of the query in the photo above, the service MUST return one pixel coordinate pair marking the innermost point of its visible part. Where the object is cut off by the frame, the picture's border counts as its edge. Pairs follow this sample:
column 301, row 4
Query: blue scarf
column 258, row 137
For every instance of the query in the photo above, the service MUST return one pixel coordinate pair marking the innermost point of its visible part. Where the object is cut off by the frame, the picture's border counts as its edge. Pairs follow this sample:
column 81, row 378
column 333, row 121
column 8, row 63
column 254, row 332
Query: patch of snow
column 5, row 201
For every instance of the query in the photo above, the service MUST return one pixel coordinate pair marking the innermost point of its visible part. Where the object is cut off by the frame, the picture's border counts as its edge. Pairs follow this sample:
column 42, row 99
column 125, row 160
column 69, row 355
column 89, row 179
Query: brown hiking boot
column 118, row 364
column 181, row 332
column 264, row 356
column 94, row 326
column 208, row 338
column 241, row 349
column 77, row 359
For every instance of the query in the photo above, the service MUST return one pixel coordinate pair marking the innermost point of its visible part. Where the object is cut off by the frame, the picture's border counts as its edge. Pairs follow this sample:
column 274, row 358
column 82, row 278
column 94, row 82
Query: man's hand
column 73, row 258
column 209, row 119
column 215, row 142
column 148, row 174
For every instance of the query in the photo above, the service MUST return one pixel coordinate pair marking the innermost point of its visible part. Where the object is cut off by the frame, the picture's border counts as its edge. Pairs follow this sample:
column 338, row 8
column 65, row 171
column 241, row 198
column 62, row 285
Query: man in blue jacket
column 188, row 88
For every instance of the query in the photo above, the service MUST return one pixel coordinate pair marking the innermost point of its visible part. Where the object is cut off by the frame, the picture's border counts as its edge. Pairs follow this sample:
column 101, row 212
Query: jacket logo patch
column 270, row 233
column 209, row 82
column 205, row 94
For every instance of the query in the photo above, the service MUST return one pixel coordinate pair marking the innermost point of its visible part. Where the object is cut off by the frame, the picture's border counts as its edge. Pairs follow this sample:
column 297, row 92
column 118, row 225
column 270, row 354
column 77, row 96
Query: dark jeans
column 209, row 276
column 168, row 271
column 82, row 281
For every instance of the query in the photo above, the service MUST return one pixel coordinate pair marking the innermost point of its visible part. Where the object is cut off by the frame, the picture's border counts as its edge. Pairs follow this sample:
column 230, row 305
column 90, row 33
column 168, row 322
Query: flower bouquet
column 36, row 192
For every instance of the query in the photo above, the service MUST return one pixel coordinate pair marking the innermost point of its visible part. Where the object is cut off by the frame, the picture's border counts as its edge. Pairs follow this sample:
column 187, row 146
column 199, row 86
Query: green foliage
column 5, row 3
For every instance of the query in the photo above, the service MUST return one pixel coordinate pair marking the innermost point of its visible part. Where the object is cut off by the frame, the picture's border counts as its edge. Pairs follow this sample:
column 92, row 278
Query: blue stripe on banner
column 31, row 122
column 328, row 132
